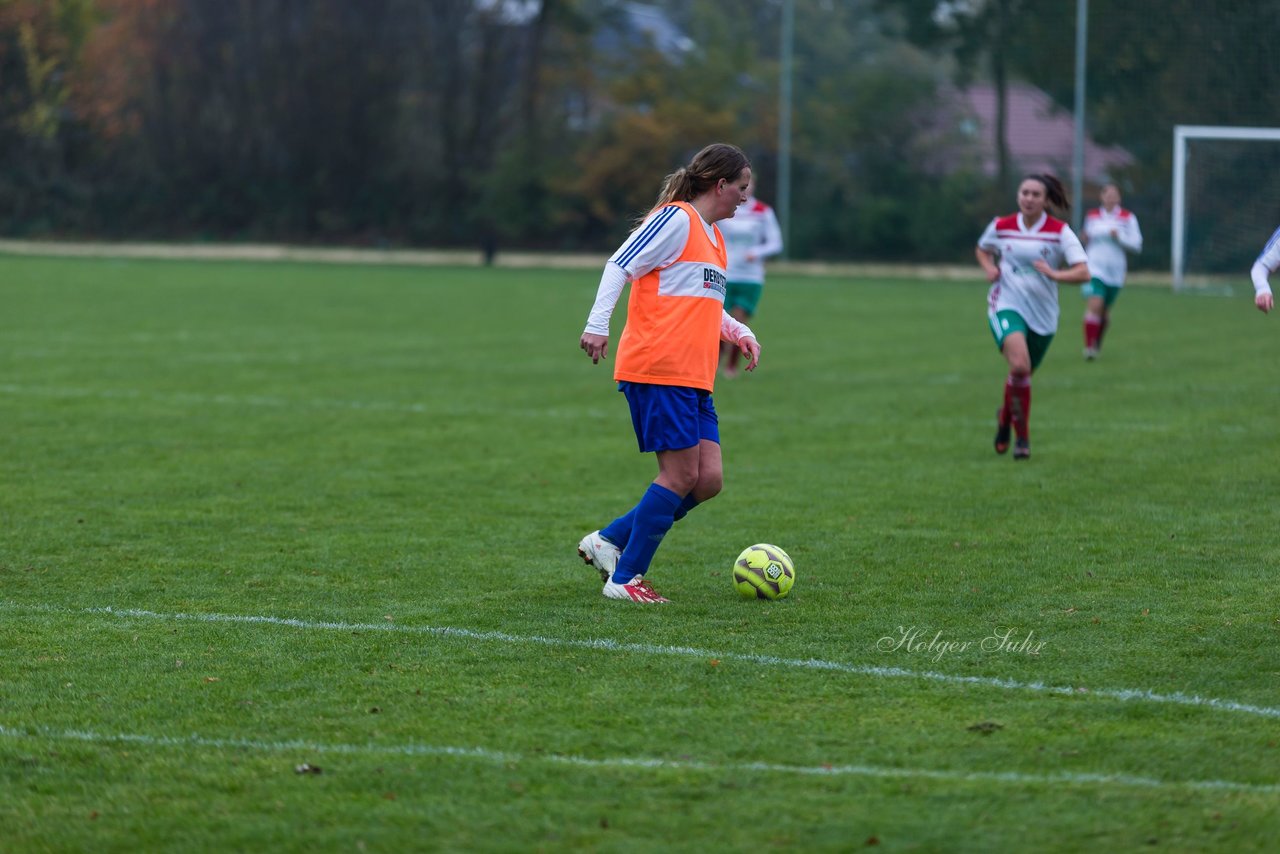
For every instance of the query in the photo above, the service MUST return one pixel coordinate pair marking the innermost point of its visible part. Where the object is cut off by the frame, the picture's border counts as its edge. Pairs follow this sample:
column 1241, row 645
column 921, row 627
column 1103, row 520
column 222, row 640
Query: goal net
column 1226, row 203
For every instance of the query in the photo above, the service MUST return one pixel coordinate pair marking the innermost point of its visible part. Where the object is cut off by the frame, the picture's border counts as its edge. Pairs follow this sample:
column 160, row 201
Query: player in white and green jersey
column 1110, row 231
column 1025, row 255
column 751, row 235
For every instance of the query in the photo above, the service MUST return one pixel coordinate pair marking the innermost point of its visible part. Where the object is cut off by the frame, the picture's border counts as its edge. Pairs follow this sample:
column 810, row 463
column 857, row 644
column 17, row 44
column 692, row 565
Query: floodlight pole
column 1077, row 169
column 784, row 124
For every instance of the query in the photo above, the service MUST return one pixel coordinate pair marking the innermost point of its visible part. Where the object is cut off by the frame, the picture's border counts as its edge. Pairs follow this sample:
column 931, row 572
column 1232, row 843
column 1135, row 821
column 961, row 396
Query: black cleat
column 1002, row 434
column 1022, row 449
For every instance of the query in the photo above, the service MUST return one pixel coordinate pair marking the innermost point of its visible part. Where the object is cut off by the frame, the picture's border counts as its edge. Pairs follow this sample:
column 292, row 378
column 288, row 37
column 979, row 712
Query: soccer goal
column 1226, row 183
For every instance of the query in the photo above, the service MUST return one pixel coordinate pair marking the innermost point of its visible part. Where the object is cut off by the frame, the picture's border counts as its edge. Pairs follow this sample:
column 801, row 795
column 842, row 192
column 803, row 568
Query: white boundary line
column 505, row 758
column 1121, row 694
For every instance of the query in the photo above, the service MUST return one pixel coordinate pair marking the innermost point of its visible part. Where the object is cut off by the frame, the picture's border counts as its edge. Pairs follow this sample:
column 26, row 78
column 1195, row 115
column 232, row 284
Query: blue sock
column 652, row 518
column 686, row 505
column 618, row 531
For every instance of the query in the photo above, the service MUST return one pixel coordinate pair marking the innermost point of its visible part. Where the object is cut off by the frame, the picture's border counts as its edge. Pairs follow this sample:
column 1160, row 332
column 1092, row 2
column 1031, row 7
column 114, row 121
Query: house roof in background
column 1041, row 134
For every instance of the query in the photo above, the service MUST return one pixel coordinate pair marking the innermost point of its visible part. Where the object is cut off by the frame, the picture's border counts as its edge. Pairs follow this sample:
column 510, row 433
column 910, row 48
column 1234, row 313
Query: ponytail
column 716, row 161
column 1054, row 193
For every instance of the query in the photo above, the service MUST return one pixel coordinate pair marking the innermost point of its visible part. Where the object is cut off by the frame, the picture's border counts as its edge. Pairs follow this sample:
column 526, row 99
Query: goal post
column 1182, row 136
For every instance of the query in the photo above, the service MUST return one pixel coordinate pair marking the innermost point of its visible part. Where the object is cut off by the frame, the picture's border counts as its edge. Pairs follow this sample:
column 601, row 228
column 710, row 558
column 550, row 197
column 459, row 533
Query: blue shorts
column 669, row 417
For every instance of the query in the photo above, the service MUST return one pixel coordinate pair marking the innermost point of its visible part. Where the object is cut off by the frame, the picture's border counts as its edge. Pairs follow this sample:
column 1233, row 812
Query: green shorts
column 1007, row 321
column 743, row 295
column 1097, row 288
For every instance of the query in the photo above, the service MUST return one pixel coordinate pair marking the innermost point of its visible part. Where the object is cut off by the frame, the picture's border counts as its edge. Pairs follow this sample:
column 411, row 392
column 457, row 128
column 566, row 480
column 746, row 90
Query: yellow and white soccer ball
column 763, row 571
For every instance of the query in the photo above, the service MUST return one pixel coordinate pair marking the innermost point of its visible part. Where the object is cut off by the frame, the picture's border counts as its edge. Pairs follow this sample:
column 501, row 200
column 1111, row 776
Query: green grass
column 383, row 454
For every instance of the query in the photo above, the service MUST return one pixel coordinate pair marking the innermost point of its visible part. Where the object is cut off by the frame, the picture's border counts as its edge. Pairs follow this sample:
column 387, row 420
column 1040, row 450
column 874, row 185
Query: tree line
column 549, row 125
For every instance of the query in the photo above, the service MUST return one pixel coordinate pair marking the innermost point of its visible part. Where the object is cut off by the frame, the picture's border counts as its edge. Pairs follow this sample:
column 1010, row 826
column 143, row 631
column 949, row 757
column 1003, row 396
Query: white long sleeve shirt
column 1268, row 262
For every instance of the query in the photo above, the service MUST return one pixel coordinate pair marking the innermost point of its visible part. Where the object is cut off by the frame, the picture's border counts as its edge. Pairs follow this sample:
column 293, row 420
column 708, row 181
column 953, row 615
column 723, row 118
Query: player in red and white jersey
column 1109, row 232
column 667, row 355
column 1025, row 255
column 751, row 235
column 1268, row 262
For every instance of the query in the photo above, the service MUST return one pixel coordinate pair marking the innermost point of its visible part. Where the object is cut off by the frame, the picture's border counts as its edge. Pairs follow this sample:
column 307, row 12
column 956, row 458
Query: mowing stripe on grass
column 189, row 399
column 1121, row 694
column 623, row 762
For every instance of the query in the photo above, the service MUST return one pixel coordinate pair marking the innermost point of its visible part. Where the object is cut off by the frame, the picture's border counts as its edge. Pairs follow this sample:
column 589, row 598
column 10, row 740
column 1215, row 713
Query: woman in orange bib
column 667, row 357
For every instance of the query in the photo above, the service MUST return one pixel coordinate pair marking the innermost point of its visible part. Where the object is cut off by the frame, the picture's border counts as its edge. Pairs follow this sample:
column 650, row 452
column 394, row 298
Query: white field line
column 304, row 750
column 1121, row 694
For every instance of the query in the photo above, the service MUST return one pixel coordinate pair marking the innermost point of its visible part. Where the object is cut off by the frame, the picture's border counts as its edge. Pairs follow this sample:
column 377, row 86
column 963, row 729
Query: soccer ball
column 763, row 571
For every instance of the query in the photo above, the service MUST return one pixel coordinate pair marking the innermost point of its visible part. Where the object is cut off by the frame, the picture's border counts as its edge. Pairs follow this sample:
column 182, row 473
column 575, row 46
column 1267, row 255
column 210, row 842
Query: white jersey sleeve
column 987, row 242
column 1131, row 235
column 734, row 330
column 656, row 243
column 1268, row 262
column 1072, row 248
column 772, row 243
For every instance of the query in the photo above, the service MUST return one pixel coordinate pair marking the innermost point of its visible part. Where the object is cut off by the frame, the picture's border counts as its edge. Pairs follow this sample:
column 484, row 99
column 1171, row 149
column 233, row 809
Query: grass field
column 258, row 517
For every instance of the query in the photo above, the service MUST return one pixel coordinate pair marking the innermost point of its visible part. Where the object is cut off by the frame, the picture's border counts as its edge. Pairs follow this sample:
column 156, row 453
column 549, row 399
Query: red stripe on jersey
column 1052, row 225
column 1028, row 235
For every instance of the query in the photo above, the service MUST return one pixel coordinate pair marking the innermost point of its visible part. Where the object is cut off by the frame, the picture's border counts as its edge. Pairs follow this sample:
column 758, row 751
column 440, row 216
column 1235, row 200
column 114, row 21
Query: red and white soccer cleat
column 636, row 590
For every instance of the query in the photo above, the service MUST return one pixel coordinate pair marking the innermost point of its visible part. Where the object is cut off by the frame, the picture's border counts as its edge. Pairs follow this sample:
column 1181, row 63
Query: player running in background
column 1268, row 262
column 1025, row 255
column 752, row 235
column 667, row 357
column 1109, row 232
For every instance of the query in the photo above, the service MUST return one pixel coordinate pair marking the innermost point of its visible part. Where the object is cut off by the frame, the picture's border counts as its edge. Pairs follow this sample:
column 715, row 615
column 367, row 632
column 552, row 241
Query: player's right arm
column 986, row 253
column 657, row 242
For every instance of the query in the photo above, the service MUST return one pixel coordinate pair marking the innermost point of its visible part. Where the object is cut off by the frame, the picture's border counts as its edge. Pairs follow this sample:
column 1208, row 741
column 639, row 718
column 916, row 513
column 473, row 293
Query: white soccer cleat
column 636, row 590
column 600, row 553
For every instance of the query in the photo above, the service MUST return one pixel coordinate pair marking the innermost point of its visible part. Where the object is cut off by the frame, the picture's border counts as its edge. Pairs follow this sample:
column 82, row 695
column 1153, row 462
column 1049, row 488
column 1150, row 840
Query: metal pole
column 1178, row 238
column 1077, row 171
column 784, row 125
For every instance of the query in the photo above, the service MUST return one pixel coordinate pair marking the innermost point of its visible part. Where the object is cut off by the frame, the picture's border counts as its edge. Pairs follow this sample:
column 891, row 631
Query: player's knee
column 709, row 486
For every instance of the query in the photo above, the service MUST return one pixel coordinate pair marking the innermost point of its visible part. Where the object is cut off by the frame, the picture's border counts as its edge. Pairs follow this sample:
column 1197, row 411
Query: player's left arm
column 1130, row 237
column 736, row 332
column 1077, row 270
column 1076, row 274
column 771, row 240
